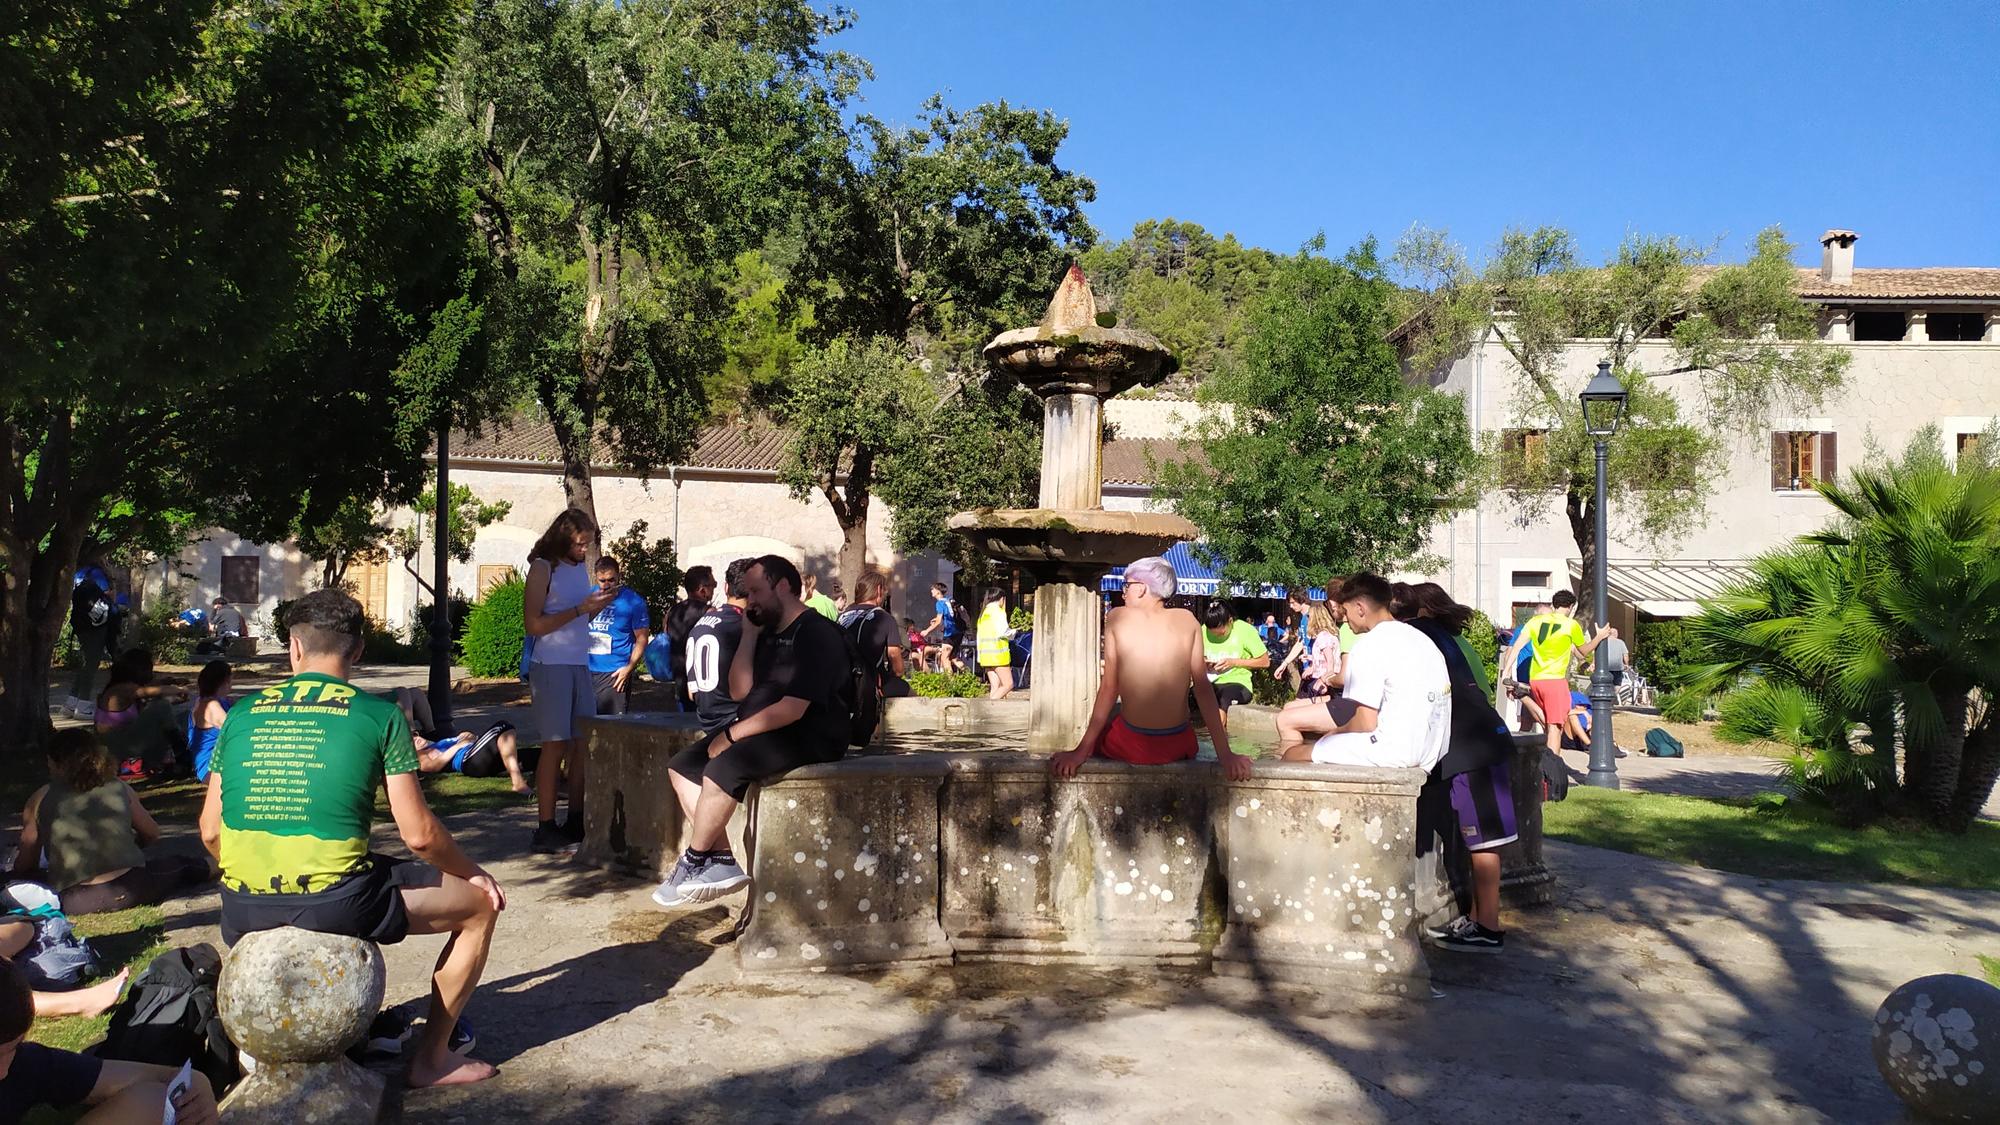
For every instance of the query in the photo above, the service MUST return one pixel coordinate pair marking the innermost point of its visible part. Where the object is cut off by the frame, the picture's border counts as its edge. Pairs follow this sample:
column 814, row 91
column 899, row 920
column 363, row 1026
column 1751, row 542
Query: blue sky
column 1704, row 119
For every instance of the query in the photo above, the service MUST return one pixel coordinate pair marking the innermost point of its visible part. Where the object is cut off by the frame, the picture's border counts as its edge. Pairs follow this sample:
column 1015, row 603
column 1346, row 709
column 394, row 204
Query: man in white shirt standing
column 1396, row 686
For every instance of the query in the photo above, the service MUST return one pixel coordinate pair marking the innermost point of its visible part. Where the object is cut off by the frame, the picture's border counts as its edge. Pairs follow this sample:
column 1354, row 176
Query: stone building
column 1926, row 351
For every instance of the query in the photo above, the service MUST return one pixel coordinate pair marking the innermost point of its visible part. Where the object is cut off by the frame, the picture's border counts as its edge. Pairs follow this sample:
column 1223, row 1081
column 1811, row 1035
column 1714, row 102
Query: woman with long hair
column 90, row 827
column 211, row 707
column 557, row 610
column 1317, row 710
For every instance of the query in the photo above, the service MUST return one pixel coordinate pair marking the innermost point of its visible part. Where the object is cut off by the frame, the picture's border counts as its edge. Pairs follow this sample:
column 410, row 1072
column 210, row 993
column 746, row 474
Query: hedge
column 495, row 631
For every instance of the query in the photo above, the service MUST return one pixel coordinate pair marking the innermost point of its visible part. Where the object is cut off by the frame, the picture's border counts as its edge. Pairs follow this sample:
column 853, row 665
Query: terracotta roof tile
column 530, row 440
column 1935, row 282
column 760, row 448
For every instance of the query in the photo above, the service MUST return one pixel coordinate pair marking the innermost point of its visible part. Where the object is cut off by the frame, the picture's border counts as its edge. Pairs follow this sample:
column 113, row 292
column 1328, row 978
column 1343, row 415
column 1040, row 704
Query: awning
column 1198, row 579
column 1668, row 587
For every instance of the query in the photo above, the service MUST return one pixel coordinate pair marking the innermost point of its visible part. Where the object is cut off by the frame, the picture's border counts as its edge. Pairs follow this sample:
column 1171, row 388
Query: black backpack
column 169, row 1017
column 859, row 693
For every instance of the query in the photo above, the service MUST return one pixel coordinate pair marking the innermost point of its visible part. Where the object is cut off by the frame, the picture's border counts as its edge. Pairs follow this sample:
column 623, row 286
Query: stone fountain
column 1072, row 363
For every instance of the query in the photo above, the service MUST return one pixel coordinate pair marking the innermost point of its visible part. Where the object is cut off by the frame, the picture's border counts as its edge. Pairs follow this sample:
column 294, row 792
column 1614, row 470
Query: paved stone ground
column 1651, row 991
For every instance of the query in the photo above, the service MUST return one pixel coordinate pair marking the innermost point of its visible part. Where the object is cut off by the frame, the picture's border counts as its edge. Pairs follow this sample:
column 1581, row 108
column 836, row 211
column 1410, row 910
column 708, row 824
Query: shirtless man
column 1152, row 656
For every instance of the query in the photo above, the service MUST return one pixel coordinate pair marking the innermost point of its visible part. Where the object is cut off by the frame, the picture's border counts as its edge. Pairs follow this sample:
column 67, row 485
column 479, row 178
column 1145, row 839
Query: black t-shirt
column 45, row 1076
column 805, row 660
column 685, row 615
column 710, row 650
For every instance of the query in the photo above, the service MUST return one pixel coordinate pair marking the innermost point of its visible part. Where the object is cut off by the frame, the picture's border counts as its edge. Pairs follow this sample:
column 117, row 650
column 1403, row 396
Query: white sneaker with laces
column 714, row 881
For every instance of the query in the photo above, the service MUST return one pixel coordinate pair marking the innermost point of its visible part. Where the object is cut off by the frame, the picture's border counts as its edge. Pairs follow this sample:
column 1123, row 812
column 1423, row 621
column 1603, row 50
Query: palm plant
column 1890, row 621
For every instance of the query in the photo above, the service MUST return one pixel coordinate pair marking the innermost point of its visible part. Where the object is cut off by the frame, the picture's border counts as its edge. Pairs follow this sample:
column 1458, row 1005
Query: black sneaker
column 1438, row 933
column 1473, row 938
column 573, row 828
column 552, row 840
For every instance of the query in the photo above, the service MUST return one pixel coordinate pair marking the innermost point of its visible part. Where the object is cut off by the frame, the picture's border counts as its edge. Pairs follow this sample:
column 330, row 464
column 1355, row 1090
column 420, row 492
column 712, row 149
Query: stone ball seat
column 295, row 1001
column 1937, row 1044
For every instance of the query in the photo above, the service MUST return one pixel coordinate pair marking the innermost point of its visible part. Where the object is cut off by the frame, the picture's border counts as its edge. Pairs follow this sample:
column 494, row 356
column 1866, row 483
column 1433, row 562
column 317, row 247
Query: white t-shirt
column 1396, row 670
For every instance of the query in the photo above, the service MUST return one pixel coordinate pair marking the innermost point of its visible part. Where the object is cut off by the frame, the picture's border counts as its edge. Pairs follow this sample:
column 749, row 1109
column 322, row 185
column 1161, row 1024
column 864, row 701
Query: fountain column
column 1073, row 363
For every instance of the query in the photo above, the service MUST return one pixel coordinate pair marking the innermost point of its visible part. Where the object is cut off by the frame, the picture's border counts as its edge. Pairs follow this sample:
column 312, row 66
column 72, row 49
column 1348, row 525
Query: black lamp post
column 1603, row 410
column 440, row 680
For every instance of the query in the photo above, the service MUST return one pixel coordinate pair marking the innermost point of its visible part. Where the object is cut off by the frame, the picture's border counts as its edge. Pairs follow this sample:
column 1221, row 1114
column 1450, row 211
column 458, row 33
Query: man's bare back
column 1153, row 668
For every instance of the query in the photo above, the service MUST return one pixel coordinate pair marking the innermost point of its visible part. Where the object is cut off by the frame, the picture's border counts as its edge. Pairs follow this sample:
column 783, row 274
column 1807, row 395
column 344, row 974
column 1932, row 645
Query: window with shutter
column 1799, row 459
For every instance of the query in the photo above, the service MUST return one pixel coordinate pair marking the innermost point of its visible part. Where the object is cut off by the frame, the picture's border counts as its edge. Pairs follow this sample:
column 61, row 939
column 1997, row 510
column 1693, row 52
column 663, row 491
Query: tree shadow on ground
column 1617, row 1001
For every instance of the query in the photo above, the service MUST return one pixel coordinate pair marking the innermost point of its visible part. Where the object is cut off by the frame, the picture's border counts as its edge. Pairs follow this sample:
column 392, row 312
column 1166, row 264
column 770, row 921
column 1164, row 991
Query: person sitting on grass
column 1233, row 649
column 136, row 716
column 205, row 716
column 91, row 828
column 791, row 673
column 289, row 809
column 490, row 753
column 116, row 1092
column 1152, row 657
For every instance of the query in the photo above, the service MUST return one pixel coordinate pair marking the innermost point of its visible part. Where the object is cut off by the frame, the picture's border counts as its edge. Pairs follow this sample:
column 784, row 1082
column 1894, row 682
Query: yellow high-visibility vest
column 994, row 651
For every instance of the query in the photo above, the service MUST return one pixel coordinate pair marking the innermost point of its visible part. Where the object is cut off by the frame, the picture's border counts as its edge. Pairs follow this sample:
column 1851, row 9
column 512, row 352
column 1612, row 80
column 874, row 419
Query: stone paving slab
column 1650, row 991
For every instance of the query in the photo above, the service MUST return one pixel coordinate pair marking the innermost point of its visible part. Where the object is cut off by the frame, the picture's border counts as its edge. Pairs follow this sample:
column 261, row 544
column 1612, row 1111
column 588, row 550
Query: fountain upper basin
column 1070, row 537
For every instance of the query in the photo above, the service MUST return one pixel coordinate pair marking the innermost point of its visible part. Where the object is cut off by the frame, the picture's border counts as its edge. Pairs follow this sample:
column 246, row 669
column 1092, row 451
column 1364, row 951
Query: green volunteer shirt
column 1347, row 638
column 1555, row 636
column 300, row 763
column 823, row 605
column 1242, row 643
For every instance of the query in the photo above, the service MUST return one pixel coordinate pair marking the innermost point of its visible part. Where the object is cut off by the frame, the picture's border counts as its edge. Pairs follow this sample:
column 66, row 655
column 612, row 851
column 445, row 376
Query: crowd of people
column 780, row 671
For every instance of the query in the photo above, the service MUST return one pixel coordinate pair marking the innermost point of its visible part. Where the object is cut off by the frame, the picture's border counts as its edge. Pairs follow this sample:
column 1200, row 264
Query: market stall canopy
column 1199, row 579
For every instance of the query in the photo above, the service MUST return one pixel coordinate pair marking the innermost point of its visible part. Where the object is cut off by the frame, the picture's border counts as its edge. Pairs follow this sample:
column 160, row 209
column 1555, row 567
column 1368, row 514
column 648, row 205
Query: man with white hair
column 1152, row 656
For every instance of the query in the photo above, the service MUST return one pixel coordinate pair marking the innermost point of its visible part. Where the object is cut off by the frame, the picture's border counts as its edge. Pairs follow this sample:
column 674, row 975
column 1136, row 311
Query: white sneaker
column 69, row 707
column 85, row 709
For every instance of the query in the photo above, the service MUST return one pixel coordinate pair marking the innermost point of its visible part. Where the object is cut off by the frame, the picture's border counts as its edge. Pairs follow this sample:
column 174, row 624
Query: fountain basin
column 1080, row 360
column 1070, row 538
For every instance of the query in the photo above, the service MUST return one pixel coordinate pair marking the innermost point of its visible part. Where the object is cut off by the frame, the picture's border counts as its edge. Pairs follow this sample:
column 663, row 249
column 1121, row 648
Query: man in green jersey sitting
column 289, row 807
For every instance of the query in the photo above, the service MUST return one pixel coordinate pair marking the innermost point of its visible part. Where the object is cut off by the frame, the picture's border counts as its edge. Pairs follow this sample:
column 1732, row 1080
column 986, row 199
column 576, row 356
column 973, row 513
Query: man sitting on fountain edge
column 1152, row 656
column 792, row 674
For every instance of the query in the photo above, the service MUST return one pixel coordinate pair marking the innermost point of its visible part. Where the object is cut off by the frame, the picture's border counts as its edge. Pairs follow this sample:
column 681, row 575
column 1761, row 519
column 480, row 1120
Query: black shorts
column 756, row 759
column 1229, row 695
column 609, row 700
column 366, row 905
column 485, row 759
column 1340, row 709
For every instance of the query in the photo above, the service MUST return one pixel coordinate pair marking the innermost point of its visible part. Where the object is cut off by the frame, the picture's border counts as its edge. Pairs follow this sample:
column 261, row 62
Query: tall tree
column 1316, row 457
column 188, row 193
column 628, row 150
column 1744, row 342
column 933, row 239
column 1185, row 286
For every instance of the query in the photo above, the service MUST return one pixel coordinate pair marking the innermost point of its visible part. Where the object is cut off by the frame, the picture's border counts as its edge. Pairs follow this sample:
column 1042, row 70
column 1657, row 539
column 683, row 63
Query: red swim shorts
column 1123, row 742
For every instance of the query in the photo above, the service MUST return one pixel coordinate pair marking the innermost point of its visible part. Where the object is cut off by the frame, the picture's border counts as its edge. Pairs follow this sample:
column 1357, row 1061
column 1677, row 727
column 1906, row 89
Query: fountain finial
column 1074, row 307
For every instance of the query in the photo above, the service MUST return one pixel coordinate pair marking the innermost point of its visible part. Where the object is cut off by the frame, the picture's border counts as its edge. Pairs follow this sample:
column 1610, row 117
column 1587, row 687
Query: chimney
column 1836, row 259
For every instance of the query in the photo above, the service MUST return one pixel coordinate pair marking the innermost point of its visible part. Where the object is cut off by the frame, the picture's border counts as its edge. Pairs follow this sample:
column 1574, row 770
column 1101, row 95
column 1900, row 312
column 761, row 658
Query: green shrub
column 159, row 631
column 1269, row 690
column 1683, row 706
column 281, row 620
column 1021, row 619
column 1484, row 641
column 1661, row 649
column 650, row 569
column 495, row 631
column 384, row 645
column 938, row 685
column 420, row 626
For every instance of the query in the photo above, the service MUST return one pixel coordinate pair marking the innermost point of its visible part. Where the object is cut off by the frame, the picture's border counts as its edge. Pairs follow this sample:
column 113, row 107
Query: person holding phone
column 618, row 635
column 557, row 608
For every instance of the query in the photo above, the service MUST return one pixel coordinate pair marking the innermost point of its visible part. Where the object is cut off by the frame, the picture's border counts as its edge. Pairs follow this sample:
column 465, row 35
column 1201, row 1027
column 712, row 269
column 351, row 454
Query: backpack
column 169, row 1017
column 56, row 959
column 659, row 658
column 858, row 693
column 1660, row 744
column 1555, row 777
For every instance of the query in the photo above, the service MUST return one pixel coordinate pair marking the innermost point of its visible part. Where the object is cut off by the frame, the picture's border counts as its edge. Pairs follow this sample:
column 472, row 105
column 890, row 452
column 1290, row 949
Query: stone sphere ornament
column 1937, row 1044
column 294, row 1001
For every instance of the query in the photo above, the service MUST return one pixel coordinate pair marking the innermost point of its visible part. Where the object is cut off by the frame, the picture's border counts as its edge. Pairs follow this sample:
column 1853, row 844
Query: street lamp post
column 440, row 680
column 1603, row 410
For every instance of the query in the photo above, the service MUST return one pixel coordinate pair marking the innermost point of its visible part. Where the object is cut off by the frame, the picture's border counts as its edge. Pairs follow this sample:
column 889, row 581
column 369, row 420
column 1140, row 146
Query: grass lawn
column 1732, row 836
column 125, row 938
